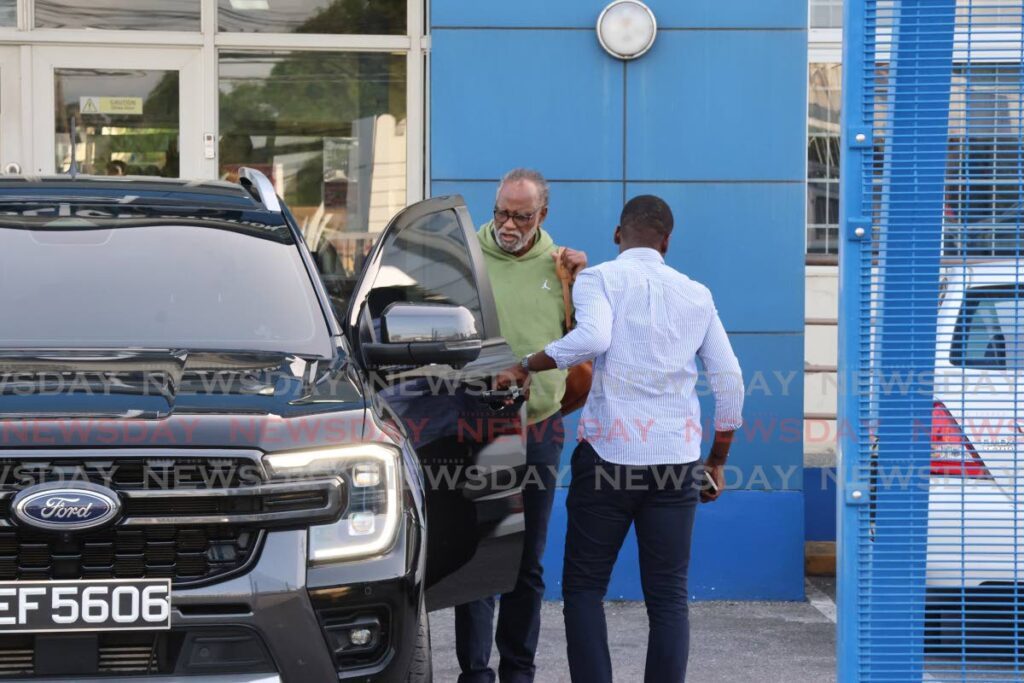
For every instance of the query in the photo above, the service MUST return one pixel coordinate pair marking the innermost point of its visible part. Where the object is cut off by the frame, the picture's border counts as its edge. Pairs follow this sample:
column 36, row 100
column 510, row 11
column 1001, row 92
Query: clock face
column 626, row 29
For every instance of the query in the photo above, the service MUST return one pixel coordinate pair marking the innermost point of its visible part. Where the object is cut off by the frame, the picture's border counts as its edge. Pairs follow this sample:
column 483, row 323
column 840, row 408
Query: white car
column 975, row 520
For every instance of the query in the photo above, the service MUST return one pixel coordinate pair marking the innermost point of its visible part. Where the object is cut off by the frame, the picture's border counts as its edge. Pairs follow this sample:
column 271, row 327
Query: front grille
column 196, row 651
column 241, row 503
column 185, row 554
column 187, row 517
column 16, row 656
column 128, row 473
column 126, row 658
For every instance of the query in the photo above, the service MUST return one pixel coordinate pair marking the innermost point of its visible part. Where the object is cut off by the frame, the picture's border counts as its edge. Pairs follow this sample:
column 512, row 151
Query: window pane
column 832, row 206
column 144, row 15
column 428, row 262
column 989, row 331
column 824, row 98
column 330, row 130
column 826, row 13
column 983, row 198
column 817, row 157
column 833, row 157
column 817, row 201
column 988, row 13
column 8, row 12
column 822, row 240
column 312, row 16
column 127, row 121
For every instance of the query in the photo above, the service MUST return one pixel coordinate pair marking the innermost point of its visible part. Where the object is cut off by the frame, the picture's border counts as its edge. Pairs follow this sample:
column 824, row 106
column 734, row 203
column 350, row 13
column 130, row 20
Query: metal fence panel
column 932, row 346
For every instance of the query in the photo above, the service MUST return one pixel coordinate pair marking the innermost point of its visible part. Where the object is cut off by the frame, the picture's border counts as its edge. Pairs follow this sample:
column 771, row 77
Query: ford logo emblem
column 67, row 508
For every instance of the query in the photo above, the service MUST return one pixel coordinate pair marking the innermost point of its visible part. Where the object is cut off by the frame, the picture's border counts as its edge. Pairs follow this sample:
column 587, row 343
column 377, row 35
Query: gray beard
column 520, row 244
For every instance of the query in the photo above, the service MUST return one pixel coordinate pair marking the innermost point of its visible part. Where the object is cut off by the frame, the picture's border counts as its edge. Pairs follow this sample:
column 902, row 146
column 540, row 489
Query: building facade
column 355, row 108
column 326, row 97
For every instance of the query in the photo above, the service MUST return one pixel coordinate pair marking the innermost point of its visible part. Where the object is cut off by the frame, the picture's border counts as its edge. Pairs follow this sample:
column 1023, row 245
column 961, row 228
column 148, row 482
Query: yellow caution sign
column 125, row 106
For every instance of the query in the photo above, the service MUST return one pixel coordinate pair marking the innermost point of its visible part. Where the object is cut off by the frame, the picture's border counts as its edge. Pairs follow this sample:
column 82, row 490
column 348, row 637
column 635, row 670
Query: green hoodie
column 530, row 310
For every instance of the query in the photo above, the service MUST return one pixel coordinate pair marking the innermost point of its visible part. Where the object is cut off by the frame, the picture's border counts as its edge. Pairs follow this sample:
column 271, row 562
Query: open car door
column 423, row 326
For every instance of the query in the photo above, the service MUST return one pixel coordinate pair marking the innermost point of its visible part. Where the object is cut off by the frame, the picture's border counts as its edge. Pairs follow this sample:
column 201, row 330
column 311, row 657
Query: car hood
column 176, row 398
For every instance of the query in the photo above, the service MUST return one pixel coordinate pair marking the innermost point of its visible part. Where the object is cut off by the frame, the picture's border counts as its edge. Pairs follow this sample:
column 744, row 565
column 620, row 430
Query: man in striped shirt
column 644, row 324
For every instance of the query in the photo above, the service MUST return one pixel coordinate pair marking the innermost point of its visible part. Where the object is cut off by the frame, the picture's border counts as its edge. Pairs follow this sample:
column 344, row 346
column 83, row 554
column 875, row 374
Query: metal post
column 889, row 329
column 848, row 529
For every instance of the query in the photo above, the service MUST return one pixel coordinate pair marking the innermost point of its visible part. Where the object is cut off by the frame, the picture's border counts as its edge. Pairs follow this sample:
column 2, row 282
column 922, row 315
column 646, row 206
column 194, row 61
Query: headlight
column 370, row 472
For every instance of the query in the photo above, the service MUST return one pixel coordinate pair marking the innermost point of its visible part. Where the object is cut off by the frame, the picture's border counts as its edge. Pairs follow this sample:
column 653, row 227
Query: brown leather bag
column 577, row 383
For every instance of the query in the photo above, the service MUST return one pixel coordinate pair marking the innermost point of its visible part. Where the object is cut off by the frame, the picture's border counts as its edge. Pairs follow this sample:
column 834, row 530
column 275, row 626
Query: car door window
column 427, row 262
column 990, row 329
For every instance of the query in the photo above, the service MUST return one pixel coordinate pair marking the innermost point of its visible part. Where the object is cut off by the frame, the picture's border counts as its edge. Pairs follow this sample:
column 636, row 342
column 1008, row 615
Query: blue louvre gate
column 931, row 577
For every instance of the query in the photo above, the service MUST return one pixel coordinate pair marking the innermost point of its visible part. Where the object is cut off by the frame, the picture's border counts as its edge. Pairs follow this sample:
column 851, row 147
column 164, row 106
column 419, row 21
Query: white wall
column 821, row 351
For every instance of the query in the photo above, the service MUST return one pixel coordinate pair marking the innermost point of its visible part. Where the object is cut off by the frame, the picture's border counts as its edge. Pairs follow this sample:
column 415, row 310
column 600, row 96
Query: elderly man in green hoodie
column 520, row 257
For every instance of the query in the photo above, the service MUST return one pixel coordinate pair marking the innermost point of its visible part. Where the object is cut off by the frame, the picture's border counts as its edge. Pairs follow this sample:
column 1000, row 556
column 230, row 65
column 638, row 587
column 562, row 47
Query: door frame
column 187, row 61
column 15, row 145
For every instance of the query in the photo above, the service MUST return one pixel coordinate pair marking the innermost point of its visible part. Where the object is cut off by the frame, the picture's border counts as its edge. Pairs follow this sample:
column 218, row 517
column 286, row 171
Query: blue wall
column 820, row 503
column 713, row 119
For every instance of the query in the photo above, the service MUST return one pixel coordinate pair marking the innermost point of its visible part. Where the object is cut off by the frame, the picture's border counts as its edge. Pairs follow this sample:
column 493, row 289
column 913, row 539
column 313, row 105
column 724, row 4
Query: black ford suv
column 216, row 464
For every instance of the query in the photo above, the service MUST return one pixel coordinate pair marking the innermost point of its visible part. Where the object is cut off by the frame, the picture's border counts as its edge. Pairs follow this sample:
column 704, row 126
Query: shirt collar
column 641, row 254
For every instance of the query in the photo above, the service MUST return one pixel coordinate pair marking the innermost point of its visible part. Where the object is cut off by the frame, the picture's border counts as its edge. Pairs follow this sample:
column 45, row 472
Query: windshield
column 157, row 286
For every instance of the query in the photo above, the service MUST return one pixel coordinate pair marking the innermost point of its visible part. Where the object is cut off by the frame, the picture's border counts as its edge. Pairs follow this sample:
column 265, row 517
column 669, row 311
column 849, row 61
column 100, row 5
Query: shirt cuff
column 563, row 359
column 728, row 425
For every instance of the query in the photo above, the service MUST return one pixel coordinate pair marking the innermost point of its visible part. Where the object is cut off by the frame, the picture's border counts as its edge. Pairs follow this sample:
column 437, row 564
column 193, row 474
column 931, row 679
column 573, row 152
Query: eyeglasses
column 521, row 220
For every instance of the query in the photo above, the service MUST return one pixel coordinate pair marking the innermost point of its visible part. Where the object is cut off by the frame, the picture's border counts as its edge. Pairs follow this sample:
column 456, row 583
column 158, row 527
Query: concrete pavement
column 761, row 642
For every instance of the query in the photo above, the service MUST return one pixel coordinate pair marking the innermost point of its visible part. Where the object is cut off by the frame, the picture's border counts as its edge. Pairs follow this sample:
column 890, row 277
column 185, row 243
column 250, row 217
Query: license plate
column 100, row 605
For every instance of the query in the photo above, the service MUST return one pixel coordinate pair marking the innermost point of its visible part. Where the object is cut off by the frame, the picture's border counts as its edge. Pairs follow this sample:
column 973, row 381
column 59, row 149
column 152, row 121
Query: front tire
column 421, row 669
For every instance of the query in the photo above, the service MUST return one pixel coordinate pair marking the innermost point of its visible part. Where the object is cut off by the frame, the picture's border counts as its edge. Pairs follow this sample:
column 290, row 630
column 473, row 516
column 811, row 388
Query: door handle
column 503, row 398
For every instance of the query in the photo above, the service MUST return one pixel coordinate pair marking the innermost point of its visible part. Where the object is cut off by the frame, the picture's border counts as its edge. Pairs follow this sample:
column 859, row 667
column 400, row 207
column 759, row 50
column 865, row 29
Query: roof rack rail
column 260, row 187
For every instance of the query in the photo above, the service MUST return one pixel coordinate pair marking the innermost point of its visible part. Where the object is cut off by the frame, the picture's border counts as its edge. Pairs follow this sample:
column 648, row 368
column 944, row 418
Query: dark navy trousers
column 604, row 500
column 518, row 610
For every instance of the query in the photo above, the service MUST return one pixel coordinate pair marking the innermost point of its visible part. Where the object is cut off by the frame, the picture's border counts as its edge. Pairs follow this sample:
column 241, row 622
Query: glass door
column 118, row 111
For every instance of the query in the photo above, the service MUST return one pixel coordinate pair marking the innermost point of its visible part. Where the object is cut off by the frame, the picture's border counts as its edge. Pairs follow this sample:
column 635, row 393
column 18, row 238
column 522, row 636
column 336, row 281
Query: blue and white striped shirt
column 644, row 323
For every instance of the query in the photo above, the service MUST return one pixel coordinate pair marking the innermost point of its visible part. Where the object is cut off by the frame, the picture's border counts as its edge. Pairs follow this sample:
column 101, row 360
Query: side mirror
column 424, row 334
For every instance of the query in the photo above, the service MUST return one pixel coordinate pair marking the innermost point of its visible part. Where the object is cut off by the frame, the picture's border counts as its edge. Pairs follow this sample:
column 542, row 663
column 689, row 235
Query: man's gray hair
column 535, row 177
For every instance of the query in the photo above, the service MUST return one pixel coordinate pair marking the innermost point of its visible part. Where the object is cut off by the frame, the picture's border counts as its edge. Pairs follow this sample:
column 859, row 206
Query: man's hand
column 516, row 374
column 573, row 261
column 707, row 493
